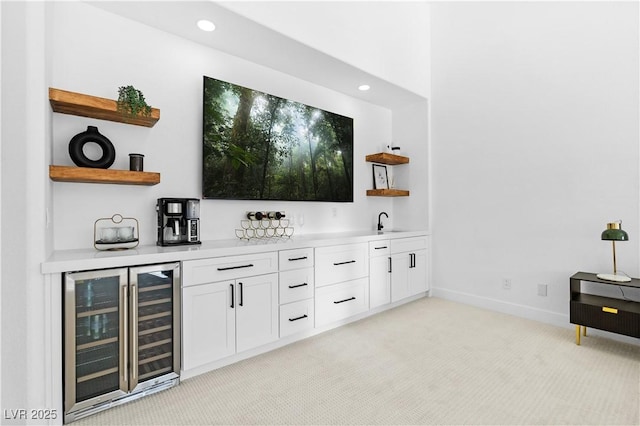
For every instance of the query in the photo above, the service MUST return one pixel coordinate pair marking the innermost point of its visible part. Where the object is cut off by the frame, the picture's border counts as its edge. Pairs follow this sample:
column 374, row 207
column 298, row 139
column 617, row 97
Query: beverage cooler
column 121, row 336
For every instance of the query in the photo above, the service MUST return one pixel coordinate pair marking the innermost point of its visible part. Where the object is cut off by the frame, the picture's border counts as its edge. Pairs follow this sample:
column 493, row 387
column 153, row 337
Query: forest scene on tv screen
column 258, row 146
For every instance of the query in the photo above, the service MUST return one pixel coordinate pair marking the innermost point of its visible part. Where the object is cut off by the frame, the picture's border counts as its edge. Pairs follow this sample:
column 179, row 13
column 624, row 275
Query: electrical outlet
column 334, row 211
column 506, row 283
column 542, row 290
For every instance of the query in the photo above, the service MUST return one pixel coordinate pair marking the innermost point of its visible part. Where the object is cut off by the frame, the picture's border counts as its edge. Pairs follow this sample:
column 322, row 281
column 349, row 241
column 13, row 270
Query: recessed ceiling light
column 364, row 87
column 206, row 25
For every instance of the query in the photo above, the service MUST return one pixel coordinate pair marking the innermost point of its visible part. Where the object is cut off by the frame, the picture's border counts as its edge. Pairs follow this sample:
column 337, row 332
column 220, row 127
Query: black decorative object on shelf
column 77, row 143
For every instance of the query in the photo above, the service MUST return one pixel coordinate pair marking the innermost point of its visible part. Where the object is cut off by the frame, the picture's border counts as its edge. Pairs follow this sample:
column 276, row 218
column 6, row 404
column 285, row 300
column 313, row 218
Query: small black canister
column 135, row 162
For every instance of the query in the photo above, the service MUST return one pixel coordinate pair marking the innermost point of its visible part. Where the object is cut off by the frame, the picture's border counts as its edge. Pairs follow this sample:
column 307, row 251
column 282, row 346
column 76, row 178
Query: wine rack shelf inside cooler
column 97, row 323
column 155, row 333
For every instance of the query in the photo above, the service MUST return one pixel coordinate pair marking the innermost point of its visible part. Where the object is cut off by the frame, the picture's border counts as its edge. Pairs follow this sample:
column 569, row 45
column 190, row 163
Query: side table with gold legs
column 616, row 315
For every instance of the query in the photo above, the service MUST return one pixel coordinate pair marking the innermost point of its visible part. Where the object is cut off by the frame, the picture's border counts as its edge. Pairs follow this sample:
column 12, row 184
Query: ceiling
column 247, row 39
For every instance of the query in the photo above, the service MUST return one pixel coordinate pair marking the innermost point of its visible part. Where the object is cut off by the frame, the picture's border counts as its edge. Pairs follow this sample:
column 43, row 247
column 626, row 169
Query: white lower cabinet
column 335, row 264
column 222, row 318
column 342, row 282
column 339, row 301
column 297, row 284
column 296, row 317
column 238, row 303
column 379, row 273
column 256, row 311
column 408, row 267
column 418, row 280
column 400, row 266
column 208, row 324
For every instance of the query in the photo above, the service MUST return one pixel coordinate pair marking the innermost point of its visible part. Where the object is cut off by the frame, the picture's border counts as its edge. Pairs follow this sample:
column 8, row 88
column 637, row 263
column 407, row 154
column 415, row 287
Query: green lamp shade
column 614, row 233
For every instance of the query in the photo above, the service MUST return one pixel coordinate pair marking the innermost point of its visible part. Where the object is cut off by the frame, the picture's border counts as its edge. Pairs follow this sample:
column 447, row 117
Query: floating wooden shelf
column 386, row 158
column 388, row 192
column 391, row 160
column 94, row 107
column 91, row 175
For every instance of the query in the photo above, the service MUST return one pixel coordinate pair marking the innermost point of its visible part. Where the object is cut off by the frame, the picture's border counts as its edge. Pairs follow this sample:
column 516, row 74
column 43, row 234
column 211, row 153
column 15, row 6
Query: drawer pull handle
column 228, row 268
column 345, row 300
column 610, row 310
column 299, row 318
column 293, row 259
column 343, row 263
column 298, row 285
column 380, row 248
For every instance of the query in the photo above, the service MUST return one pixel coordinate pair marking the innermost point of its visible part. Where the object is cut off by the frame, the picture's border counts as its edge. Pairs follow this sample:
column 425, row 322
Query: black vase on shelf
column 76, row 149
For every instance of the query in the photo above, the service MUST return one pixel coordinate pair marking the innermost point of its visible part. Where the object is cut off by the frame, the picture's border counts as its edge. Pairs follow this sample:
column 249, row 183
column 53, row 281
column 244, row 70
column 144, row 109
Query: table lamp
column 614, row 233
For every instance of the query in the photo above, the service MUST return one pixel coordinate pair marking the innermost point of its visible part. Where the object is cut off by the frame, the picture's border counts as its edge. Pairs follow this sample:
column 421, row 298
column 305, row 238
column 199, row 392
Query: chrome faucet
column 380, row 220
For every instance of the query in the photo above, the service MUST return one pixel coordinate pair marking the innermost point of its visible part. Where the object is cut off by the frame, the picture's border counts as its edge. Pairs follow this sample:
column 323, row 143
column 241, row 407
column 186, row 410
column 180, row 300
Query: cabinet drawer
column 296, row 317
column 339, row 301
column 230, row 267
column 341, row 263
column 400, row 245
column 296, row 285
column 295, row 259
column 379, row 248
column 617, row 320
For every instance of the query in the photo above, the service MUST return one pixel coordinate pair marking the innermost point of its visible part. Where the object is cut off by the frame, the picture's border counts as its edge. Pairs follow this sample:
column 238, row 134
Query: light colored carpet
column 428, row 362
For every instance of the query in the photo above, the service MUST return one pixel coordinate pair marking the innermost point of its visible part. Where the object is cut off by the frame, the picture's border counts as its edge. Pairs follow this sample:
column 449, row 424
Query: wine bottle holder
column 116, row 233
column 264, row 229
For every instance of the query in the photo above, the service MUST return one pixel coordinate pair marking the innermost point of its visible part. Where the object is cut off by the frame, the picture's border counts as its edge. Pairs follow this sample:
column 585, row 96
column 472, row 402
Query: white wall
column 169, row 71
column 535, row 148
column 1, row 41
column 388, row 39
column 25, row 133
column 410, row 133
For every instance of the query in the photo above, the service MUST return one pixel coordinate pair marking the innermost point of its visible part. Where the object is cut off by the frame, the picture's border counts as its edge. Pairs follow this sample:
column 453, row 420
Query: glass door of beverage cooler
column 155, row 321
column 95, row 337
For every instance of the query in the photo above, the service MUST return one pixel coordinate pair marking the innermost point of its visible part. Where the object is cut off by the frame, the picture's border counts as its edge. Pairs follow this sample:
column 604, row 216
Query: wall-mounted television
column 258, row 146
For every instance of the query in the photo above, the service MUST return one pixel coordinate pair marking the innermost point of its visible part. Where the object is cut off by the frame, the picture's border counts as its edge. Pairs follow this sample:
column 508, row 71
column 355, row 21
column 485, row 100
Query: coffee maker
column 178, row 221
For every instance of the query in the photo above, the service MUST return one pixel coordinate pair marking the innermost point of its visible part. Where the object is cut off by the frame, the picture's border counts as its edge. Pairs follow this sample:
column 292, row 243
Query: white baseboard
column 523, row 311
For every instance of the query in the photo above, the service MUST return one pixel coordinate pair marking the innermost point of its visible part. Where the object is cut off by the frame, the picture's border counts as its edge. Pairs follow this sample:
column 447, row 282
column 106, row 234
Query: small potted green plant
column 131, row 102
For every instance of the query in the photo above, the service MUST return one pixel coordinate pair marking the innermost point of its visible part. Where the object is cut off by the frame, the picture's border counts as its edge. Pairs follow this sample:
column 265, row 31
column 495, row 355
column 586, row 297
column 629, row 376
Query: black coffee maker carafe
column 178, row 221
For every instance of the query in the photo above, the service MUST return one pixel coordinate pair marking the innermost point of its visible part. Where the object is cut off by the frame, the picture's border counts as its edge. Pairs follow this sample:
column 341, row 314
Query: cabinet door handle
column 412, row 260
column 390, row 263
column 134, row 341
column 228, row 268
column 232, row 296
column 343, row 263
column 345, row 300
column 380, row 248
column 293, row 259
column 298, row 285
column 609, row 310
column 125, row 339
column 241, row 294
column 298, row 318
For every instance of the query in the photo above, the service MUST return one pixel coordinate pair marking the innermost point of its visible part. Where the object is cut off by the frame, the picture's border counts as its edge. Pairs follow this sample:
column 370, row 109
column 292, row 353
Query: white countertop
column 87, row 259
